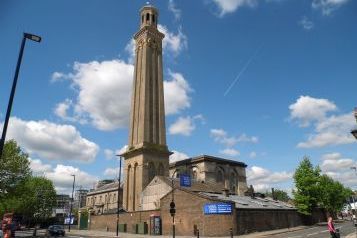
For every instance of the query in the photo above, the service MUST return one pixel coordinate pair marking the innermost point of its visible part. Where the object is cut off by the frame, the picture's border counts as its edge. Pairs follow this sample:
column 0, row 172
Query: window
column 142, row 19
column 114, row 198
column 233, row 182
column 220, row 175
column 147, row 16
column 153, row 18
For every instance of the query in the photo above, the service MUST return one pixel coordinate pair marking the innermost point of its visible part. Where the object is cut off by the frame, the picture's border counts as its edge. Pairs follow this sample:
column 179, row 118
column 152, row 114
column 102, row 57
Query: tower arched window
column 160, row 170
column 147, row 17
column 142, row 19
column 152, row 171
column 153, row 18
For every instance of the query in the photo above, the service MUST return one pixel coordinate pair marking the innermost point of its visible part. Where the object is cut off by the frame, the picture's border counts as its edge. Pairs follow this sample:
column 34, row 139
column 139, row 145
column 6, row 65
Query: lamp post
column 118, row 208
column 70, row 211
column 13, row 89
column 173, row 206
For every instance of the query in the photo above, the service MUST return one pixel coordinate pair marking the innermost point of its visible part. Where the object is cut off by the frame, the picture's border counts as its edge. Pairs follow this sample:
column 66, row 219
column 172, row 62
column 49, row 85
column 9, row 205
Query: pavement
column 272, row 233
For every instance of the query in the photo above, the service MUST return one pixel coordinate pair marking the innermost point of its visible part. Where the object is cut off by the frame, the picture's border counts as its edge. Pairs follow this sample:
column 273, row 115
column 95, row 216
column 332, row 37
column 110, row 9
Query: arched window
column 220, row 175
column 233, row 182
column 160, row 170
column 147, row 16
column 142, row 19
column 152, row 171
column 194, row 173
column 153, row 18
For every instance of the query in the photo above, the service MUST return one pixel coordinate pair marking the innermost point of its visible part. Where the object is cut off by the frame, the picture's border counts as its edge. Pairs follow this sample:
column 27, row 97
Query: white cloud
column 177, row 156
column 58, row 76
column 229, row 6
column 112, row 172
column 253, row 154
column 327, row 6
column 339, row 168
column 263, row 179
column 104, row 94
column 62, row 178
column 52, row 141
column 306, row 23
column 110, row 154
column 230, row 152
column 173, row 8
column 221, row 136
column 307, row 109
column 176, row 91
column 38, row 167
column 334, row 130
column 173, row 43
column 130, row 49
column 185, row 125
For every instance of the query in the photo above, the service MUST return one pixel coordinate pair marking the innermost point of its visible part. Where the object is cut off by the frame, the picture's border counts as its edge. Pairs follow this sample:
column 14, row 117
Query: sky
column 265, row 82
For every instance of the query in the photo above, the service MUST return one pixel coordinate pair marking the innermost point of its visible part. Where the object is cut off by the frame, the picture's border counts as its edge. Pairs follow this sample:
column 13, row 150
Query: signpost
column 217, row 208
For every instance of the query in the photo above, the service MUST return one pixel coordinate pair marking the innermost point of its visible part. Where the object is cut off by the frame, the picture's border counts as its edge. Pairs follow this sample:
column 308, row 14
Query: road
column 318, row 231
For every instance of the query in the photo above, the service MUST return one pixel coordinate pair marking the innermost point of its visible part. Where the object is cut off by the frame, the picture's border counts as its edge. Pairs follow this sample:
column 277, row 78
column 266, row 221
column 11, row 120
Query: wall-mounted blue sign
column 217, row 208
column 185, row 180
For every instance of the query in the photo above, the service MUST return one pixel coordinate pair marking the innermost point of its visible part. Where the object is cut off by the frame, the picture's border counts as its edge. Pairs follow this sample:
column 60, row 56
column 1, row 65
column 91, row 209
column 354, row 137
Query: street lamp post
column 13, row 89
column 118, row 203
column 173, row 206
column 70, row 210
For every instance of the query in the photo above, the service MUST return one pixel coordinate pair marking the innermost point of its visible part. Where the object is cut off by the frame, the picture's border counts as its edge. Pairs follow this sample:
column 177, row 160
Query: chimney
column 225, row 192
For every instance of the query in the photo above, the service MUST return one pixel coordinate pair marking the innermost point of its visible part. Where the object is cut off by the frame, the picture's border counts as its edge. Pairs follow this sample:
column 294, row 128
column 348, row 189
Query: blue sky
column 264, row 82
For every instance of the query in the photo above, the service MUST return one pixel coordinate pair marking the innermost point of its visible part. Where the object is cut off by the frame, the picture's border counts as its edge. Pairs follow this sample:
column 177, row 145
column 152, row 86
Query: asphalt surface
column 318, row 231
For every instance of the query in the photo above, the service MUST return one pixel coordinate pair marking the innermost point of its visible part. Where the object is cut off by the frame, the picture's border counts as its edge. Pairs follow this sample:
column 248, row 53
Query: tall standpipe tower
column 147, row 154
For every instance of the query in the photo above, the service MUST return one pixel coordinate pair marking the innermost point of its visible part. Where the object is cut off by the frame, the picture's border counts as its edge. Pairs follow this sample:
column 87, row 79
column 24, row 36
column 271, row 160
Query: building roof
column 247, row 202
column 200, row 158
column 105, row 188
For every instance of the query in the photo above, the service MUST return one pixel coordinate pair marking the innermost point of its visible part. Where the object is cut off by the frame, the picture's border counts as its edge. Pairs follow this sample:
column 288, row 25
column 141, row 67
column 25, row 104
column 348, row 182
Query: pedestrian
column 331, row 228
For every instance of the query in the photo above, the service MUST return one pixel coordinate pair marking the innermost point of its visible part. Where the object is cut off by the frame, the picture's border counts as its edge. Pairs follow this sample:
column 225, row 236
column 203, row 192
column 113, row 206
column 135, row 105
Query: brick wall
column 189, row 213
column 100, row 222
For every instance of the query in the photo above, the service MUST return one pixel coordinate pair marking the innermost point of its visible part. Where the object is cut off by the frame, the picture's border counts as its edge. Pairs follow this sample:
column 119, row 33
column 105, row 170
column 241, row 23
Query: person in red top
column 331, row 228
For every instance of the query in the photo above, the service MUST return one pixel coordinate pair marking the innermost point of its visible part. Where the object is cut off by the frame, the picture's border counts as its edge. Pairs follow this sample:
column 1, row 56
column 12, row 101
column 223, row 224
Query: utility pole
column 70, row 210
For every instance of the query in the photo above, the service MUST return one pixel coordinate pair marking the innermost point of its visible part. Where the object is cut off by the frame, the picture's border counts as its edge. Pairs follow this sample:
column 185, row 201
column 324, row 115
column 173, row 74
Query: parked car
column 55, row 230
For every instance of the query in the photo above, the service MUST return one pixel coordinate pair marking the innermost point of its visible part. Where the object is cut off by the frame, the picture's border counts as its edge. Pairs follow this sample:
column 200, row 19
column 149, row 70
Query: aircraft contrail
column 243, row 69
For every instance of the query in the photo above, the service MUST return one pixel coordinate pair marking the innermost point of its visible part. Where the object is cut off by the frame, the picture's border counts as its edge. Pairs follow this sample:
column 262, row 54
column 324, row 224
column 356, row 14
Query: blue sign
column 185, row 180
column 67, row 220
column 217, row 208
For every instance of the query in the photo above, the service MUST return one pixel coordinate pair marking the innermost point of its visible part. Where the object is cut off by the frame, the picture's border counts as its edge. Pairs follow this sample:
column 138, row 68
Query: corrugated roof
column 246, row 202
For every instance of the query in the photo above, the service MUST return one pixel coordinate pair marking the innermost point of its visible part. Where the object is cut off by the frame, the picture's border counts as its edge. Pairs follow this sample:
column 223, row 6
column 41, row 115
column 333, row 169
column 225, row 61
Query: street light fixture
column 13, row 89
column 70, row 211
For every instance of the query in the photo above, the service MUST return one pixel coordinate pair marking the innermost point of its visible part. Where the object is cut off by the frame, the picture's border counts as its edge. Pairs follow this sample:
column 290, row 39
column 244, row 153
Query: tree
column 306, row 194
column 333, row 194
column 20, row 192
column 280, row 195
column 14, row 168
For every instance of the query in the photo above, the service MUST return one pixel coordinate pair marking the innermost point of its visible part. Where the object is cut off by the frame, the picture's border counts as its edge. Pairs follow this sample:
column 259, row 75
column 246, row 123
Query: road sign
column 217, row 208
column 185, row 180
column 66, row 220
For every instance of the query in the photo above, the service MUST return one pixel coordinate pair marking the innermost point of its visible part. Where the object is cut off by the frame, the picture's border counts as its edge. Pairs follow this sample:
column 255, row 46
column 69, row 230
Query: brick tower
column 147, row 154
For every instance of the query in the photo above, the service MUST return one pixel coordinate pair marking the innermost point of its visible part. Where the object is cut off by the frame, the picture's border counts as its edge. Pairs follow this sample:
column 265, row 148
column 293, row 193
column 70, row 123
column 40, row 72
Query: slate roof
column 207, row 158
column 246, row 202
column 106, row 187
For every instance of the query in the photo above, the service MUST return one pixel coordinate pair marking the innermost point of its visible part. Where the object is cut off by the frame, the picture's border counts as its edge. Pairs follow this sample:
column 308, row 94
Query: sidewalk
column 352, row 235
column 95, row 233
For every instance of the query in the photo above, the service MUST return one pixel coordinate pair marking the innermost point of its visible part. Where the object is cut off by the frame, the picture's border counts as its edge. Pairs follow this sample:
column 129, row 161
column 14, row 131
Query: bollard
column 198, row 233
column 231, row 232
